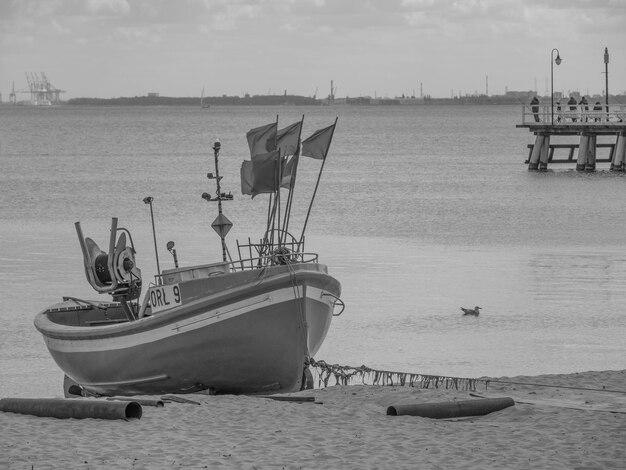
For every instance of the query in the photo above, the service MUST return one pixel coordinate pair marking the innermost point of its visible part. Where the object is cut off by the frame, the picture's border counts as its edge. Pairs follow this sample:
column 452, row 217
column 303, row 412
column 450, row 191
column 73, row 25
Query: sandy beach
column 577, row 422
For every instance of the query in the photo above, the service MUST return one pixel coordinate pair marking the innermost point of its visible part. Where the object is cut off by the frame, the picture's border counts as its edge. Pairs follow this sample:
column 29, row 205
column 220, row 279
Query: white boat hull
column 251, row 338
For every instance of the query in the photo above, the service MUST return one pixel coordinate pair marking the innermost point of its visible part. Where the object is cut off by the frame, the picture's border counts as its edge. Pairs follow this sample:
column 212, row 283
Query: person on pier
column 559, row 111
column 597, row 109
column 584, row 109
column 534, row 103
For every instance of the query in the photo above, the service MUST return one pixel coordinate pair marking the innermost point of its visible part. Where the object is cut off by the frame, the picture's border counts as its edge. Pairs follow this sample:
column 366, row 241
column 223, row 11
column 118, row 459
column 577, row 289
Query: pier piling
column 619, row 155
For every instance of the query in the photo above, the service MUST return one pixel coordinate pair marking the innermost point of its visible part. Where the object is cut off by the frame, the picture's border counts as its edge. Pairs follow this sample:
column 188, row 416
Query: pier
column 601, row 131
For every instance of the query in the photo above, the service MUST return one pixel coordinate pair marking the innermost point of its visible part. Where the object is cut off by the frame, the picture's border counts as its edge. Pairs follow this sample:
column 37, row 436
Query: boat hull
column 237, row 337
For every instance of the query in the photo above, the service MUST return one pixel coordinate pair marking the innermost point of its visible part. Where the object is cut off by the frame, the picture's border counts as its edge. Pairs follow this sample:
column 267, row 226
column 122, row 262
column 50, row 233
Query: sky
column 382, row 48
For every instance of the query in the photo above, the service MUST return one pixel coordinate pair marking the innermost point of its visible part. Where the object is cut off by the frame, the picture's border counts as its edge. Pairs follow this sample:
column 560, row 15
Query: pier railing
column 592, row 115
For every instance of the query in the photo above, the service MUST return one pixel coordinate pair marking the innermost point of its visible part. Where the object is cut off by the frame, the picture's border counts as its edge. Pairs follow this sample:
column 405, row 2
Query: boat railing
column 274, row 259
column 585, row 114
column 257, row 255
column 251, row 256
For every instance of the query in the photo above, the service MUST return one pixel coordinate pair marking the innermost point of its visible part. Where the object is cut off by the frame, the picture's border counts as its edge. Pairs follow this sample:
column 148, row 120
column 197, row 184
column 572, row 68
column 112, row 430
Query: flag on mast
column 262, row 139
column 287, row 139
column 247, row 178
column 260, row 175
column 318, row 144
column 317, row 147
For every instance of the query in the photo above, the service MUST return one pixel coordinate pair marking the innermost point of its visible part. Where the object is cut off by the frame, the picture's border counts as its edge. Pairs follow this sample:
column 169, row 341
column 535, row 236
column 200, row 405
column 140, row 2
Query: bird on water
column 471, row 311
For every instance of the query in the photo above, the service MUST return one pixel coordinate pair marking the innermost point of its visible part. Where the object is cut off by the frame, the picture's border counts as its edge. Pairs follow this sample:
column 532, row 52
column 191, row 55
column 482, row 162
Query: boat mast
column 221, row 224
column 292, row 180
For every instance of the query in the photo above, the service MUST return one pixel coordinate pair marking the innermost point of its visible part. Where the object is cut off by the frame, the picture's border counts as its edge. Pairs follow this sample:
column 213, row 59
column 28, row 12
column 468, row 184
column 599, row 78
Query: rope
column 346, row 375
column 487, row 381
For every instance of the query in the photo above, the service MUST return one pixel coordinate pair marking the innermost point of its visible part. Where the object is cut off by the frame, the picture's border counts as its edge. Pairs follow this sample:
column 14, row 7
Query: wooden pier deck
column 608, row 124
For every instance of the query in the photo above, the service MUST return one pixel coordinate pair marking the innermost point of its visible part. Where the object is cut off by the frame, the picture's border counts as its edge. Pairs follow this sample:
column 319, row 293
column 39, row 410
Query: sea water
column 421, row 210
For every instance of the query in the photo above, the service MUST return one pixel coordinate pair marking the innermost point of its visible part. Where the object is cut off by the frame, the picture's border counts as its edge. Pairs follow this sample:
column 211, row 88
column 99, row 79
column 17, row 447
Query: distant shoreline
column 290, row 100
column 296, row 100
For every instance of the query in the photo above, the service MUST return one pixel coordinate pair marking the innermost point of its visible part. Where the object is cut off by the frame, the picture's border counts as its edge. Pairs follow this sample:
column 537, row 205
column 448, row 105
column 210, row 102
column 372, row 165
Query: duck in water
column 471, row 311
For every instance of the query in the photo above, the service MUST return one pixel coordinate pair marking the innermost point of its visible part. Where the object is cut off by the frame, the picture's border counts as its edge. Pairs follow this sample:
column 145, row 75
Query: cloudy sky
column 110, row 48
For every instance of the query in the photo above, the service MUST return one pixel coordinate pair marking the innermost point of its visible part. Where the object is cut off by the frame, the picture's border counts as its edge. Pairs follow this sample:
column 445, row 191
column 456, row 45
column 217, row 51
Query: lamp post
column 606, row 78
column 556, row 60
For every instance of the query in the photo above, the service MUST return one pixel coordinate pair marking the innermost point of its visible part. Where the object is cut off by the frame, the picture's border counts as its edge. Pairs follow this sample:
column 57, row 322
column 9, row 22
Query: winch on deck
column 114, row 272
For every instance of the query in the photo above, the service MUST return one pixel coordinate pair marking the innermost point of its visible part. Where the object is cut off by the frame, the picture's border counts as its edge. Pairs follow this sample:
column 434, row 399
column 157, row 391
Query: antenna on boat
column 221, row 224
column 148, row 200
column 172, row 250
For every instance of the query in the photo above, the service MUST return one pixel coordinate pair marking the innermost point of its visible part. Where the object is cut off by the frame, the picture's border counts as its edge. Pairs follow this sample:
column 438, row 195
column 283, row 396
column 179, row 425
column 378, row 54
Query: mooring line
column 554, row 386
column 345, row 374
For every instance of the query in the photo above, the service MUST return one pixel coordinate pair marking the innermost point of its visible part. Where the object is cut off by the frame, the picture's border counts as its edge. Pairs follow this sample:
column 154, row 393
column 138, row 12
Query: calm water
column 421, row 210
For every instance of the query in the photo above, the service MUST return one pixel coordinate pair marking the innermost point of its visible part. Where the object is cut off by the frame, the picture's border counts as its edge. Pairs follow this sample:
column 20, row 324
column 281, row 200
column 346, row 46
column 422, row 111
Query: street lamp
column 557, row 60
column 606, row 78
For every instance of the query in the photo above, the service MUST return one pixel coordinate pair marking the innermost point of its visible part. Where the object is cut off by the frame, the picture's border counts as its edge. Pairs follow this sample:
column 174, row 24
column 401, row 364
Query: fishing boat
column 246, row 324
